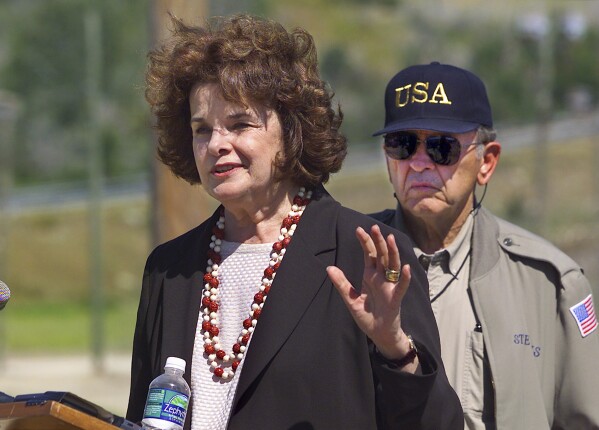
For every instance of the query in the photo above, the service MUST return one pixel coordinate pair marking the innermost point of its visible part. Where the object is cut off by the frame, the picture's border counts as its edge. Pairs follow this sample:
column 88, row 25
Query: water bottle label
column 166, row 405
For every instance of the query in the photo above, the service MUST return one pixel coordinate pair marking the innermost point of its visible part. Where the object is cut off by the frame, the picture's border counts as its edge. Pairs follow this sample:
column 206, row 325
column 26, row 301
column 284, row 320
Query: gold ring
column 392, row 275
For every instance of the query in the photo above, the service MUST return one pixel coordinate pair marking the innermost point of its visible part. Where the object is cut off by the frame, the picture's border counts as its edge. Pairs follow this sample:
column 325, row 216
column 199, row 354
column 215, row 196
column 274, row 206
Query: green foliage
column 45, row 66
column 49, row 255
column 36, row 327
column 364, row 44
column 367, row 2
column 361, row 45
column 578, row 66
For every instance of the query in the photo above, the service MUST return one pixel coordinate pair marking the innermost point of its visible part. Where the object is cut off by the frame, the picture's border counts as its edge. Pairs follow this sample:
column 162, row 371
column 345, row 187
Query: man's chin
column 425, row 208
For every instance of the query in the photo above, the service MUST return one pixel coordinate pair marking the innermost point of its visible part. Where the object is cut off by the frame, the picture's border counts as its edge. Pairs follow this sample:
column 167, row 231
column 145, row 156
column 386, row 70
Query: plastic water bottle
column 168, row 398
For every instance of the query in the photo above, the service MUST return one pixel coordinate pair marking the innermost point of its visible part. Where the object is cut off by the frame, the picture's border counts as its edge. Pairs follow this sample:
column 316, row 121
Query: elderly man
column 518, row 331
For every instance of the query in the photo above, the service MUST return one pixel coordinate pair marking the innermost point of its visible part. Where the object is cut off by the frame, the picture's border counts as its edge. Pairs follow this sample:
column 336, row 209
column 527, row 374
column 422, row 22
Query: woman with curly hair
column 240, row 109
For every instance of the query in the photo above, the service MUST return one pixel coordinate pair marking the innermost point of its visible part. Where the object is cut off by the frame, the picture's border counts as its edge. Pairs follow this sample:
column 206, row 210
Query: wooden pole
column 176, row 205
column 9, row 112
column 544, row 116
column 93, row 40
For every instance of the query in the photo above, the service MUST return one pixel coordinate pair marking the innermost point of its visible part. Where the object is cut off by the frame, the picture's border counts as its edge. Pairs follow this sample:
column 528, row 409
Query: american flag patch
column 584, row 314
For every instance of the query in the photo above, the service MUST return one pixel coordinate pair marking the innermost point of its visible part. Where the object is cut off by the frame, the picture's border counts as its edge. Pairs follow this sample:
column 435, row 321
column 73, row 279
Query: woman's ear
column 489, row 161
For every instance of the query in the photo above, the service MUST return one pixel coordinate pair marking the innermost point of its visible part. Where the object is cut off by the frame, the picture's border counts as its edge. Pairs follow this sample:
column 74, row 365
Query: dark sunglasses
column 442, row 149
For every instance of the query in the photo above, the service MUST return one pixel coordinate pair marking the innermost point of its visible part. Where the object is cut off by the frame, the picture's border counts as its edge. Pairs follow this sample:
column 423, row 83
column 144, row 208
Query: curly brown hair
column 254, row 61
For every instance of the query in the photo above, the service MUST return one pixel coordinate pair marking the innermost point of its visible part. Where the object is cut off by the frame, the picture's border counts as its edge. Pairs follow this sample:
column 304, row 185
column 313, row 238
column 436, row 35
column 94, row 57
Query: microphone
column 4, row 295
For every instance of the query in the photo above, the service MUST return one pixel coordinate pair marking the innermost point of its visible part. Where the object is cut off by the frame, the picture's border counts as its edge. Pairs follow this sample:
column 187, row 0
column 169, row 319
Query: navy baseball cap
column 436, row 97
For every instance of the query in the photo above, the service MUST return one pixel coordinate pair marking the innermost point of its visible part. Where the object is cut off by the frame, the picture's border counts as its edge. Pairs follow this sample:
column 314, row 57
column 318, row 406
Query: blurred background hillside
column 78, row 189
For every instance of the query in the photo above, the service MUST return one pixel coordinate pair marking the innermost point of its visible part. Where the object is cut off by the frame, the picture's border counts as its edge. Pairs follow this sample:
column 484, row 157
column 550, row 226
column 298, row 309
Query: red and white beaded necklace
column 210, row 303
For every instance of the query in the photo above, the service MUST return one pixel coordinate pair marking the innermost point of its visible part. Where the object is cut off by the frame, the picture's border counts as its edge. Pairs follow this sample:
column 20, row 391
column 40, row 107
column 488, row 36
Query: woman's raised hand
column 377, row 307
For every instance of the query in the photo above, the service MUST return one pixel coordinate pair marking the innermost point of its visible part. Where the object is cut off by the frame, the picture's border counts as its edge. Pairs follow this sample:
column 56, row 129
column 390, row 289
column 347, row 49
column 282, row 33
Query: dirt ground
column 73, row 373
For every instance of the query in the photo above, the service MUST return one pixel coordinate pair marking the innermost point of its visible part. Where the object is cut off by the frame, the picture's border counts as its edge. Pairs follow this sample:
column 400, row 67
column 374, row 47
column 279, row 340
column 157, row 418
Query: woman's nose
column 219, row 141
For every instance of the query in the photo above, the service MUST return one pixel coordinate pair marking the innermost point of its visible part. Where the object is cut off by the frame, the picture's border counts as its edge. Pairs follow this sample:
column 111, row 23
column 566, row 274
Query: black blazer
column 309, row 365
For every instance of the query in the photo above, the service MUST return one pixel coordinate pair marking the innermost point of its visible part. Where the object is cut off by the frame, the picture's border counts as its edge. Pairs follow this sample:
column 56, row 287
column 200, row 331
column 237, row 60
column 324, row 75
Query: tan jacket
column 544, row 372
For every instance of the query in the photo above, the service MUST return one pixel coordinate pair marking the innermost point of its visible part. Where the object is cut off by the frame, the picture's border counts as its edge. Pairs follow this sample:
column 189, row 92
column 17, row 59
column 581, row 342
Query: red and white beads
column 223, row 364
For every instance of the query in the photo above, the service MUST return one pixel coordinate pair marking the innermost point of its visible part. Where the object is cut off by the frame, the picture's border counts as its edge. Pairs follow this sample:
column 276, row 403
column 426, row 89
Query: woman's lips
column 225, row 169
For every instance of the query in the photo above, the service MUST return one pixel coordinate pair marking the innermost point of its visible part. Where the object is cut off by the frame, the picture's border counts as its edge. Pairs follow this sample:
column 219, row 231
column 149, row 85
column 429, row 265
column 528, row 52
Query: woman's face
column 234, row 147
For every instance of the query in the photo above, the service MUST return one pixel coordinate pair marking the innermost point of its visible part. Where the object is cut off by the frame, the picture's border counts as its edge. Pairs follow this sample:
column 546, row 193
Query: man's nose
column 420, row 160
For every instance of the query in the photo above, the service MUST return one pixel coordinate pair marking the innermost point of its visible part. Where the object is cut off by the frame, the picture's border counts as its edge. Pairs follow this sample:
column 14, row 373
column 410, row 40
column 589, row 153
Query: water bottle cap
column 176, row 363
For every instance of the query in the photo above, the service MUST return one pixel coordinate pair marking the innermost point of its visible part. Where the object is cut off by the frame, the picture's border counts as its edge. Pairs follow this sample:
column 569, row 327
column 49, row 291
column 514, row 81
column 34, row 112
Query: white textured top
column 240, row 276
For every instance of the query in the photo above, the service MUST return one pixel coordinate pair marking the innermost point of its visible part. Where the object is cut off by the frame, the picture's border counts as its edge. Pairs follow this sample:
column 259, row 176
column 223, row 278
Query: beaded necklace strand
column 224, row 364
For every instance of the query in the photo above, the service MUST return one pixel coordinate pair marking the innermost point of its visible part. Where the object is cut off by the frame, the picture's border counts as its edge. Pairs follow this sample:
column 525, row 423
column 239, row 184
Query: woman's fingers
column 376, row 308
column 379, row 252
column 343, row 286
column 393, row 254
column 380, row 244
column 402, row 286
column 370, row 254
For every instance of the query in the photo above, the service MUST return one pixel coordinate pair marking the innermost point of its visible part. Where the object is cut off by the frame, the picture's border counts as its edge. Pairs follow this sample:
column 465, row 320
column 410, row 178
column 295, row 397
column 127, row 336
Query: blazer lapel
column 184, row 296
column 299, row 278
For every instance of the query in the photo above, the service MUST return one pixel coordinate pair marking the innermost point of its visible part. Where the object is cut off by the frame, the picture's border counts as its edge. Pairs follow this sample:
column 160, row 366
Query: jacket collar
column 485, row 252
column 298, row 280
column 186, row 269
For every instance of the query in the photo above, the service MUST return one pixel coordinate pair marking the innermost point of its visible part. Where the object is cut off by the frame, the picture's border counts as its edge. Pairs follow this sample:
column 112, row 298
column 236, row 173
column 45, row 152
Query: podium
column 48, row 415
column 55, row 410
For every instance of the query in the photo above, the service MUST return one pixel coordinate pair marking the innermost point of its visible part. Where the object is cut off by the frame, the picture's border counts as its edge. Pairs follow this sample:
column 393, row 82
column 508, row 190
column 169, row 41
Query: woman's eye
column 202, row 130
column 240, row 126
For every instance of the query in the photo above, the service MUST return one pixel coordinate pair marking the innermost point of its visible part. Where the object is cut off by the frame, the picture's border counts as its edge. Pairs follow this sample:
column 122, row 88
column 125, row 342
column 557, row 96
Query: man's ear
column 488, row 162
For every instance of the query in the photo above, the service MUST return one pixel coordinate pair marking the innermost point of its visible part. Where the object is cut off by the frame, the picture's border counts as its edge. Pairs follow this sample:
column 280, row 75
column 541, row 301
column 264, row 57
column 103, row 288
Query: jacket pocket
column 478, row 394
